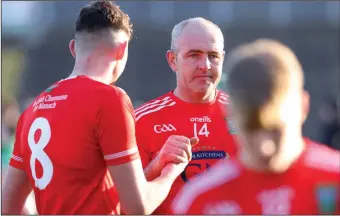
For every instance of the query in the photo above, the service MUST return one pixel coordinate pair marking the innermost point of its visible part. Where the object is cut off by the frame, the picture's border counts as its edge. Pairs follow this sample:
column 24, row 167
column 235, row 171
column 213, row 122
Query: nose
column 204, row 64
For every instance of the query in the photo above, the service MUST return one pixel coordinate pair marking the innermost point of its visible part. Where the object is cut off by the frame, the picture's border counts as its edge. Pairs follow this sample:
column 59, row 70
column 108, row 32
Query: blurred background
column 35, row 37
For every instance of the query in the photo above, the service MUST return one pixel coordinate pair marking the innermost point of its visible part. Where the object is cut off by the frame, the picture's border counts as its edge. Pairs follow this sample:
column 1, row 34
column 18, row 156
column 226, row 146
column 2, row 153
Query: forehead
column 199, row 38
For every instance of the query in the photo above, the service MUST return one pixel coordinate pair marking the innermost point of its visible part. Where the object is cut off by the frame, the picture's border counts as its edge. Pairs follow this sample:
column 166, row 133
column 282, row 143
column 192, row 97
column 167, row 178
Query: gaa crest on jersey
column 327, row 198
column 162, row 128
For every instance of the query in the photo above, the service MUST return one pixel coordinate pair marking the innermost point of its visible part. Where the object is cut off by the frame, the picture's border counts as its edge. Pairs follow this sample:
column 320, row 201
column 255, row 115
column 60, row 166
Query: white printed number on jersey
column 201, row 132
column 38, row 152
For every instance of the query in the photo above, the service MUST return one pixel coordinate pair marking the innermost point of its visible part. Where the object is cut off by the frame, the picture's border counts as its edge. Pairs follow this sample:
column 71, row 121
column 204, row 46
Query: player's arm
column 16, row 187
column 144, row 148
column 116, row 132
column 15, row 191
column 153, row 169
column 136, row 194
column 171, row 152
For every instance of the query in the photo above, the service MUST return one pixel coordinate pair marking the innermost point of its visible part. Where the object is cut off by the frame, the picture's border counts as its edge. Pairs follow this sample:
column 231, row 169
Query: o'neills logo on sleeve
column 203, row 119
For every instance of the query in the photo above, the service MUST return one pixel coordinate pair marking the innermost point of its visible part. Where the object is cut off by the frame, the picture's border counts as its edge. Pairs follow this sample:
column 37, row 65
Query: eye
column 214, row 56
column 193, row 55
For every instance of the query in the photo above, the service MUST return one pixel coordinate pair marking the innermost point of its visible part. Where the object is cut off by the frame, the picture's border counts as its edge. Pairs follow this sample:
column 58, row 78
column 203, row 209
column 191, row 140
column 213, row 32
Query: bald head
column 197, row 25
column 260, row 76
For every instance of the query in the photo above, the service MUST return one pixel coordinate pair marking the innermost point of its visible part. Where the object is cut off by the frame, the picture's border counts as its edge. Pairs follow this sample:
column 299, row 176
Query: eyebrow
column 200, row 51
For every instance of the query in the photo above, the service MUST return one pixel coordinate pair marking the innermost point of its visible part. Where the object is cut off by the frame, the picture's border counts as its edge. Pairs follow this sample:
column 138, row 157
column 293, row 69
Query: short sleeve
column 17, row 159
column 116, row 128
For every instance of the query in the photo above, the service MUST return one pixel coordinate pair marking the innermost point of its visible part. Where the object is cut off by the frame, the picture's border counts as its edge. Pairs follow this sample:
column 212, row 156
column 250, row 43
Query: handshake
column 172, row 159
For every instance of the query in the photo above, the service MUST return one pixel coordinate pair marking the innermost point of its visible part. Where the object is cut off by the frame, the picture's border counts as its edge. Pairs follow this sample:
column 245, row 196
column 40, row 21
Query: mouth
column 203, row 77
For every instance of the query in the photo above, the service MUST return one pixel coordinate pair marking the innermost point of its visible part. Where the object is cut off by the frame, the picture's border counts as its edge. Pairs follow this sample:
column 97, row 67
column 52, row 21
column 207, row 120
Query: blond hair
column 259, row 74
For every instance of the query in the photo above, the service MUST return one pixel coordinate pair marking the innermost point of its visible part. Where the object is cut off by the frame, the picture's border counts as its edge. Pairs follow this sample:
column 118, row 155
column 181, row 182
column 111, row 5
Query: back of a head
column 99, row 20
column 259, row 76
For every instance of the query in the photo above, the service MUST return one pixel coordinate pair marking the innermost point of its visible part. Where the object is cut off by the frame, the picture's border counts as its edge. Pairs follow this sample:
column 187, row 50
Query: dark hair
column 101, row 15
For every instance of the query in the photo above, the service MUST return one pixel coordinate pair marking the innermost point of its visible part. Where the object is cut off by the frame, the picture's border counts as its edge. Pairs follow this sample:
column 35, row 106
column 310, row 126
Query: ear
column 223, row 55
column 121, row 50
column 72, row 46
column 305, row 105
column 171, row 57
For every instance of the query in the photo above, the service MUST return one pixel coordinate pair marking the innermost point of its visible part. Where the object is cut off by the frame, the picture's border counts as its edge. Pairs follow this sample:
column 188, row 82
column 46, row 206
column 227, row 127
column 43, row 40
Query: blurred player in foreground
column 194, row 109
column 75, row 144
column 277, row 171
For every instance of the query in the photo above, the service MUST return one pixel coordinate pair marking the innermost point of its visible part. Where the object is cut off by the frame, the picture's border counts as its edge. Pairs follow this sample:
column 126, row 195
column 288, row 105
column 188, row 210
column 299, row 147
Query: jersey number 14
column 201, row 132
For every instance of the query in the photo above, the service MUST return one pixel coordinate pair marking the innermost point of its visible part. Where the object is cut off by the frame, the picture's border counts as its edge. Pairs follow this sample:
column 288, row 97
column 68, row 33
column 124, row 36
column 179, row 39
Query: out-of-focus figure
column 329, row 123
column 10, row 114
column 277, row 170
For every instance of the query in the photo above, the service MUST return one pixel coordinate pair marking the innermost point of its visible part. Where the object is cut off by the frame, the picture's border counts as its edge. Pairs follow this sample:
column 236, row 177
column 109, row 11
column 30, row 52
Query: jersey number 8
column 38, row 152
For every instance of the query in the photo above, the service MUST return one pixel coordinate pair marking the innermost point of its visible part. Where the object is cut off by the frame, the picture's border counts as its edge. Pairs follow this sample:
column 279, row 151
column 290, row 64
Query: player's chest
column 212, row 128
column 215, row 138
column 283, row 199
column 279, row 199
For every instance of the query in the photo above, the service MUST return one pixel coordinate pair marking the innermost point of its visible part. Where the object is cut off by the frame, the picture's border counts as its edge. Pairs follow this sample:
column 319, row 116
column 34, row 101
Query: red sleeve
column 143, row 144
column 116, row 129
column 17, row 158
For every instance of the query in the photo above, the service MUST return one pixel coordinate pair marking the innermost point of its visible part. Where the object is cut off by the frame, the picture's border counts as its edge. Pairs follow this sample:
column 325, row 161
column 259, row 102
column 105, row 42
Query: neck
column 97, row 69
column 279, row 163
column 194, row 97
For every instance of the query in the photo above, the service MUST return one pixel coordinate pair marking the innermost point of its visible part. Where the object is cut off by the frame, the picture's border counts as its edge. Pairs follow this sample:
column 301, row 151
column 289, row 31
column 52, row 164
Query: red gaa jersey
column 67, row 138
column 310, row 186
column 167, row 115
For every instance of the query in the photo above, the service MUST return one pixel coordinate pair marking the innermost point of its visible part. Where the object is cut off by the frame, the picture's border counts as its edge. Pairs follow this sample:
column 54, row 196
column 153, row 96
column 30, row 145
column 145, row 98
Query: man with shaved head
column 75, row 144
column 277, row 170
column 195, row 108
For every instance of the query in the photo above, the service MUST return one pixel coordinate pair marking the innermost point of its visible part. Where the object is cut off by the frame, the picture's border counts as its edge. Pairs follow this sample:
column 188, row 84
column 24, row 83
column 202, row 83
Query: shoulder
column 22, row 119
column 111, row 91
column 154, row 107
column 322, row 157
column 218, row 175
column 111, row 99
column 223, row 97
column 107, row 92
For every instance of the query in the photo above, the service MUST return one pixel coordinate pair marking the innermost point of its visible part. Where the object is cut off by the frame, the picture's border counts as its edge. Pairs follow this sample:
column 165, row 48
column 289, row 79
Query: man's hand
column 177, row 149
column 173, row 168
